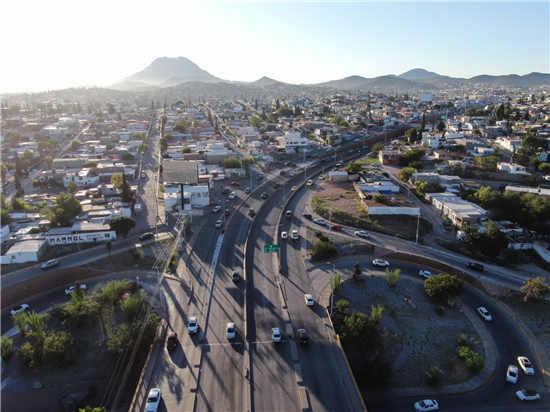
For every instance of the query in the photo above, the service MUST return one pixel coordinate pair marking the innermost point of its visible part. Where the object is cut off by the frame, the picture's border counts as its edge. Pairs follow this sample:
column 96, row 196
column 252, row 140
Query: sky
column 48, row 45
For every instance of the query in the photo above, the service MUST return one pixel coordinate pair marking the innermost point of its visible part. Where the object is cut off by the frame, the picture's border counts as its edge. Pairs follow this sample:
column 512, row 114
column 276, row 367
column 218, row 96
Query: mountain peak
column 418, row 74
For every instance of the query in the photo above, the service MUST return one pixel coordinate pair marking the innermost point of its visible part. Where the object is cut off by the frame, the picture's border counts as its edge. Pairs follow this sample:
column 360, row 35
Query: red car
column 235, row 184
column 336, row 227
column 227, row 212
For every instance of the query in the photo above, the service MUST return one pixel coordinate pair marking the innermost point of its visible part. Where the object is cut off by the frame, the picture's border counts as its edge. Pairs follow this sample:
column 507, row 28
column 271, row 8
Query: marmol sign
column 81, row 238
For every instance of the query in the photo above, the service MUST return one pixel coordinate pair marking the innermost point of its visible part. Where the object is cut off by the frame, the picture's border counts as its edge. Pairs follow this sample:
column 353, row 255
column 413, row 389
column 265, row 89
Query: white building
column 26, row 251
column 511, row 168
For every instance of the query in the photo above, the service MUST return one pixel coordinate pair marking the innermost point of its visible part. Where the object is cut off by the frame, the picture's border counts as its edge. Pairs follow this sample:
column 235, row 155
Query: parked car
column 193, row 325
column 20, row 308
column 217, row 209
column 475, row 266
column 153, row 400
column 309, row 299
column 172, row 341
column 303, row 337
column 71, row 289
column 380, row 262
column 528, row 395
column 230, row 330
column 362, row 233
column 284, row 235
column 512, row 374
column 425, row 273
column 526, row 365
column 276, row 335
column 484, row 314
column 426, row 405
column 235, row 184
column 50, row 264
column 147, row 235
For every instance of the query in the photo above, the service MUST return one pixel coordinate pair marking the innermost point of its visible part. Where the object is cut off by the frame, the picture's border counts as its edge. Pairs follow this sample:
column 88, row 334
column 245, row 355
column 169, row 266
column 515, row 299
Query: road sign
column 443, row 117
column 271, row 248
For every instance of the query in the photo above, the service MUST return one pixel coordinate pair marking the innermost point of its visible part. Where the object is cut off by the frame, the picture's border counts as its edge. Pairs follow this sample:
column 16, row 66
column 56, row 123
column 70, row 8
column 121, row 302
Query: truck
column 460, row 235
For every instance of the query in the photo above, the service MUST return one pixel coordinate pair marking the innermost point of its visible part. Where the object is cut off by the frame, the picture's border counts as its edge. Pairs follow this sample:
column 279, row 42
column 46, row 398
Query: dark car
column 307, row 216
column 235, row 184
column 259, row 177
column 172, row 340
column 277, row 185
column 303, row 337
column 235, row 276
column 147, row 236
column 475, row 266
column 225, row 190
column 227, row 212
column 264, row 196
column 282, row 173
column 251, row 213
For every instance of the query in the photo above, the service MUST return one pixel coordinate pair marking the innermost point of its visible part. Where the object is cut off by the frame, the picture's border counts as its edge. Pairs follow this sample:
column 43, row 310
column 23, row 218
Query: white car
column 193, row 325
column 20, row 308
column 295, row 235
column 230, row 330
column 284, row 235
column 528, row 395
column 276, row 335
column 309, row 299
column 426, row 405
column 525, row 365
column 362, row 233
column 484, row 314
column 232, row 195
column 319, row 221
column 425, row 273
column 153, row 400
column 50, row 264
column 512, row 374
column 310, row 182
column 380, row 262
column 293, row 187
column 293, row 174
column 217, row 209
column 219, row 223
column 71, row 289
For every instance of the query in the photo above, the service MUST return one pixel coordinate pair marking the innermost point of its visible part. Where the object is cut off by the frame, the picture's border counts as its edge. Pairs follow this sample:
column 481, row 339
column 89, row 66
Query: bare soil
column 415, row 337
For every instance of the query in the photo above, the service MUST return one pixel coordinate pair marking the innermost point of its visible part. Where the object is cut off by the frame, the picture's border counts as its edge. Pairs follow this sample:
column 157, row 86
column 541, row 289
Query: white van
column 288, row 213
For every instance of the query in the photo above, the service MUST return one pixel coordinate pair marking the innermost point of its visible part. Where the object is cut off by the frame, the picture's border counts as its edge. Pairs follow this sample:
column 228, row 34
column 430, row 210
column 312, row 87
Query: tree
column 6, row 345
column 163, row 142
column 12, row 139
column 127, row 157
column 534, row 288
column 90, row 163
column 48, row 161
column 186, row 149
column 109, row 246
column 116, row 180
column 421, row 188
column 5, row 218
column 377, row 147
column 379, row 198
column 356, row 271
column 256, row 121
column 354, row 168
column 423, row 123
column 75, row 145
column 409, row 156
column 64, row 209
column 443, row 287
column 122, row 225
column 405, row 174
column 72, row 187
column 126, row 195
column 3, row 172
column 232, row 163
column 18, row 168
column 440, row 126
column 324, row 250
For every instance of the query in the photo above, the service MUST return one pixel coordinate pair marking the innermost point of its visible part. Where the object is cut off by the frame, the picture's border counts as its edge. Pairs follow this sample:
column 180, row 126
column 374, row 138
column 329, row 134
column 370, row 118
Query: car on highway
column 217, row 209
column 528, row 395
column 259, row 177
column 293, row 174
column 235, row 184
column 484, row 314
column 319, row 221
column 264, row 196
column 295, row 235
column 282, row 173
column 247, row 190
column 235, row 276
column 251, row 213
column 380, row 262
column 232, row 195
column 425, row 273
column 20, row 308
column 303, row 337
column 71, row 289
column 276, row 335
column 50, row 264
column 172, row 341
column 284, row 235
column 362, row 233
column 277, row 185
column 475, row 266
column 293, row 187
column 336, row 227
column 219, row 223
column 310, row 183
column 153, row 400
column 526, row 365
column 227, row 212
column 512, row 374
column 307, row 216
column 288, row 213
column 230, row 330
column 147, row 235
column 193, row 325
column 426, row 405
column 309, row 299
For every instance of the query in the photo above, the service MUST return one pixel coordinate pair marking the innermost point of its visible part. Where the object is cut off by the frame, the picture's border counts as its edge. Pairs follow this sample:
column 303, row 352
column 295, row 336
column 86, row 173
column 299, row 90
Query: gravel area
column 415, row 336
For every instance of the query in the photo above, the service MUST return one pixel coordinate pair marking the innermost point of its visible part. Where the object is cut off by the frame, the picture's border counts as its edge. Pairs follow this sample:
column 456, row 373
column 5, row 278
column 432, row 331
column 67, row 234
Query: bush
column 462, row 340
column 324, row 250
column 434, row 375
column 6, row 347
column 131, row 308
column 474, row 361
column 392, row 276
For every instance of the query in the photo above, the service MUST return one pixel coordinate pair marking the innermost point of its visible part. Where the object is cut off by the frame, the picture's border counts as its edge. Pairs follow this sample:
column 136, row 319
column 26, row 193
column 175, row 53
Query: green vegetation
column 535, row 288
column 434, row 375
column 393, row 276
column 442, row 287
column 122, row 225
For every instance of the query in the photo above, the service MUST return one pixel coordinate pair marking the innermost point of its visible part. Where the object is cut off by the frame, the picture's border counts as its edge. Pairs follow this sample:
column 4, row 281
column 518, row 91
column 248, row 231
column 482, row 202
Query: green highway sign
column 271, row 248
column 443, row 117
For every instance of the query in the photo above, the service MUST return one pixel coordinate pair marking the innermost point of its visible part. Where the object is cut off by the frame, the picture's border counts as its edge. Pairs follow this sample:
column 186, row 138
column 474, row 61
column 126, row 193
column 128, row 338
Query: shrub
column 131, row 307
column 434, row 375
column 376, row 313
column 392, row 276
column 462, row 340
column 336, row 283
column 324, row 250
column 474, row 361
column 6, row 347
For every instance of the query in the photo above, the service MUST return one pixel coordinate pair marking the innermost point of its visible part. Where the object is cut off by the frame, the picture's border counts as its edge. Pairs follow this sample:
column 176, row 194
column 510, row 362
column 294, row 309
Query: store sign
column 81, row 238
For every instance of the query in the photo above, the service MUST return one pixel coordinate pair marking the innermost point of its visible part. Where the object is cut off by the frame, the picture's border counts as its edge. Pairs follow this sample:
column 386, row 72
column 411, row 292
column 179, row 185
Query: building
column 511, row 168
column 460, row 212
column 25, row 251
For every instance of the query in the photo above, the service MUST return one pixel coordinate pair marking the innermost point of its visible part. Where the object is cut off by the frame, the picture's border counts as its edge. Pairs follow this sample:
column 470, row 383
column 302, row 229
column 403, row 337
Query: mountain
column 351, row 82
column 168, row 71
column 418, row 74
column 531, row 79
column 264, row 81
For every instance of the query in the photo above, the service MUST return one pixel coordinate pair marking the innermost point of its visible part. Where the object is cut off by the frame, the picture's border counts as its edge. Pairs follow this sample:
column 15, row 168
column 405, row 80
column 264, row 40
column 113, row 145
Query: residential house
column 460, row 212
column 511, row 168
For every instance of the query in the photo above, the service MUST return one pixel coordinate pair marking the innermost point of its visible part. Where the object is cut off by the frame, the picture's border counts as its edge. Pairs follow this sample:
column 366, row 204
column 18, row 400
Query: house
column 428, row 177
column 25, row 251
column 511, row 168
column 460, row 212
column 389, row 157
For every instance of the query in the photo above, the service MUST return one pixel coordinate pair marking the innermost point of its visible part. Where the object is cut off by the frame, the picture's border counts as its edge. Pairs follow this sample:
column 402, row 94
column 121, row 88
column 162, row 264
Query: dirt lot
column 413, row 333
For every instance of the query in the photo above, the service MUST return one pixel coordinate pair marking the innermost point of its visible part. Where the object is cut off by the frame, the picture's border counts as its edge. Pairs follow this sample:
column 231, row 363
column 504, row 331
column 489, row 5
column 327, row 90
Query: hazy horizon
column 82, row 43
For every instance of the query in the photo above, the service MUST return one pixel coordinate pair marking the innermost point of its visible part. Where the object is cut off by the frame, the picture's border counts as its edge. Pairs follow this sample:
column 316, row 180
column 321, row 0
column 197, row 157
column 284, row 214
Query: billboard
column 81, row 238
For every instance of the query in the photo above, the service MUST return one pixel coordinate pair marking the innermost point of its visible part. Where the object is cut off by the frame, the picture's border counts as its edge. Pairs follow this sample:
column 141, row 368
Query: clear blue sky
column 58, row 44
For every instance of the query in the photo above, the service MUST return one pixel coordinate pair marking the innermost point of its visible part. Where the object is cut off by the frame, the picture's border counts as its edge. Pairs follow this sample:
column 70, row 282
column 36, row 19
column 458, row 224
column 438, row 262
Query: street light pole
column 332, row 287
column 418, row 227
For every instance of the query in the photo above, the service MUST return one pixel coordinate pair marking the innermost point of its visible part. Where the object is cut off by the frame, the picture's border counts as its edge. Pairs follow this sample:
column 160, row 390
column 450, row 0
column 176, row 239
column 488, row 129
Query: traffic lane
column 273, row 383
column 222, row 378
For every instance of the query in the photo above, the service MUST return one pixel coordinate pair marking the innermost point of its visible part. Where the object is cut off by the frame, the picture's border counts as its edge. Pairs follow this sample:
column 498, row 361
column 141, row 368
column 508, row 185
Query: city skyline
column 99, row 43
